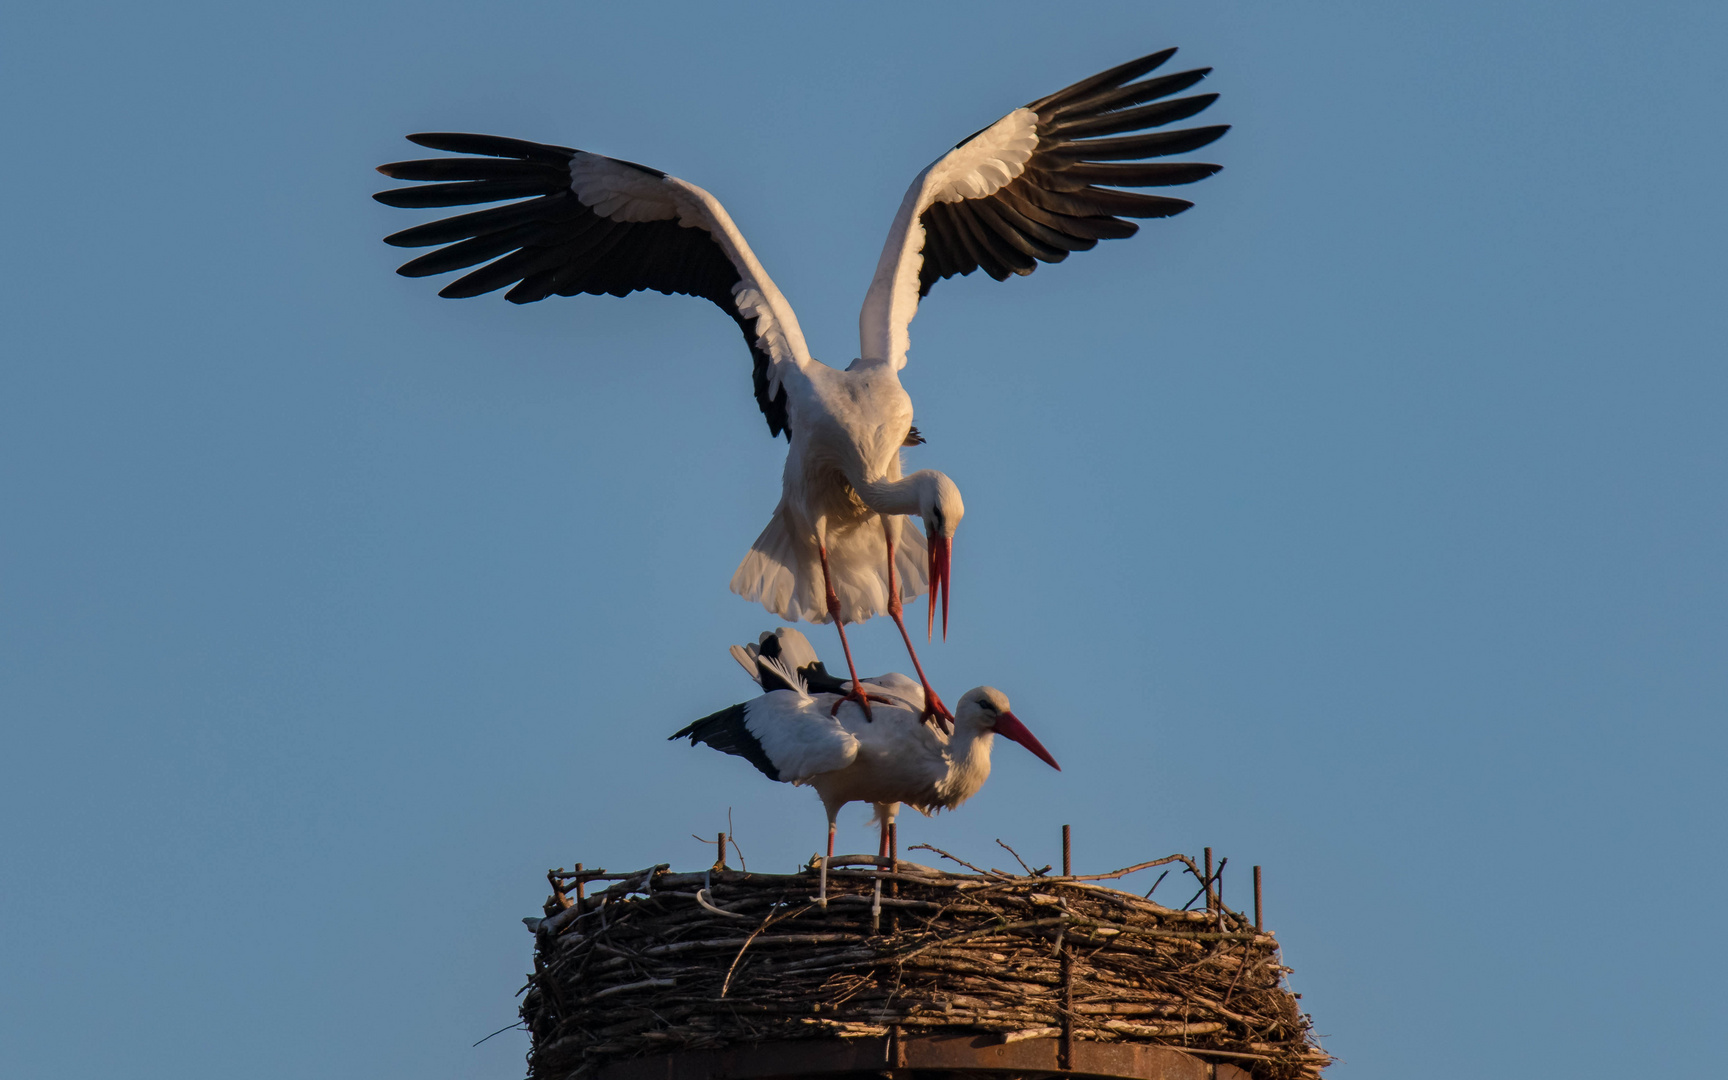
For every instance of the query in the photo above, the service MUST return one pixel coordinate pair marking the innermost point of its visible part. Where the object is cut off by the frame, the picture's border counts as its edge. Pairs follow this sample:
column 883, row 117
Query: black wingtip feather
column 1121, row 97
column 464, row 193
column 1068, row 196
column 1138, row 147
column 475, row 168
column 1154, row 115
column 1115, row 76
column 1137, row 174
column 727, row 732
column 460, row 142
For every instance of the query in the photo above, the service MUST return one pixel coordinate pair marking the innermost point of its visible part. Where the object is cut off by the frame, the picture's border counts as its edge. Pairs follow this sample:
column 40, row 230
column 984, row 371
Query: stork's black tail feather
column 815, row 675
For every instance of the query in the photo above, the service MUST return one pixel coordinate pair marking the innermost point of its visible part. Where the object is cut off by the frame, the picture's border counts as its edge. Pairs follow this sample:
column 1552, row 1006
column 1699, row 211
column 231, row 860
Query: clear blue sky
column 1366, row 522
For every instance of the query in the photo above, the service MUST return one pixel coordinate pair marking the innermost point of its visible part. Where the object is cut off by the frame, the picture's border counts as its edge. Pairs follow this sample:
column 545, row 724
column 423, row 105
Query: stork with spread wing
column 1041, row 182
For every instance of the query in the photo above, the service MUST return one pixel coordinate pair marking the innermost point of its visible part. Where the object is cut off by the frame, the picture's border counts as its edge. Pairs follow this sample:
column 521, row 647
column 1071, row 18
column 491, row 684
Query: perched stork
column 794, row 733
column 1042, row 181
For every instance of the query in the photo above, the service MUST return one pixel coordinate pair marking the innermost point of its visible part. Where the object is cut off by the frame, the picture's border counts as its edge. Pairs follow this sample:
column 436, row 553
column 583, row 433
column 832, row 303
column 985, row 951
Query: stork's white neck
column 894, row 496
column 969, row 762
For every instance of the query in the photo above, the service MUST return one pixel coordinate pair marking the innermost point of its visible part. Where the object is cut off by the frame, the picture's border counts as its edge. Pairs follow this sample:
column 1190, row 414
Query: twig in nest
column 1157, row 883
column 742, row 865
column 955, row 858
column 1029, row 871
column 1240, row 968
column 500, row 1031
column 557, row 896
column 726, row 984
column 996, row 928
column 1205, row 883
column 1126, row 870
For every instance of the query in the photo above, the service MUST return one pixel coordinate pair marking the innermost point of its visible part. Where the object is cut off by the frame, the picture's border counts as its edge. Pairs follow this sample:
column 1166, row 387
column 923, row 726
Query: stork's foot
column 862, row 700
column 935, row 713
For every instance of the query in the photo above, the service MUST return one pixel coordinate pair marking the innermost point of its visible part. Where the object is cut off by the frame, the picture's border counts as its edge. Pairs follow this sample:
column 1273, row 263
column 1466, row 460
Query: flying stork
column 1040, row 182
column 797, row 732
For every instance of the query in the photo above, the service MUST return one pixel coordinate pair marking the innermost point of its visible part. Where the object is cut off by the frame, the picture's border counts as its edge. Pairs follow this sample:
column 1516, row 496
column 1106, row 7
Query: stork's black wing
column 1041, row 182
column 726, row 732
column 583, row 223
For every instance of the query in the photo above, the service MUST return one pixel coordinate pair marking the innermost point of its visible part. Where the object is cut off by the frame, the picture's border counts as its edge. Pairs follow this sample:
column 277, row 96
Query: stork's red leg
column 857, row 693
column 933, row 707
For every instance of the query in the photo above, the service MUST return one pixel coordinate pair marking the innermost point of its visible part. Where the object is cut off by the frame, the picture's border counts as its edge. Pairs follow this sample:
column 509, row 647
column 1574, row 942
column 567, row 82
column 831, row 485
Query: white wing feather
column 980, row 167
column 798, row 735
column 623, row 192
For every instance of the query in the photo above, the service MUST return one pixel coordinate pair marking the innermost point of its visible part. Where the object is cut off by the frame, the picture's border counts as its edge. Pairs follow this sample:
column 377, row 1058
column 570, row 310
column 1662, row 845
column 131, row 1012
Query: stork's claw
column 934, row 710
column 863, row 701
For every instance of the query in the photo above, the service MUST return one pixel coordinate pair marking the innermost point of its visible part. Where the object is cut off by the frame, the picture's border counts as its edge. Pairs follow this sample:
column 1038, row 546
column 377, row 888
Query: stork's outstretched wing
column 1035, row 185
column 591, row 224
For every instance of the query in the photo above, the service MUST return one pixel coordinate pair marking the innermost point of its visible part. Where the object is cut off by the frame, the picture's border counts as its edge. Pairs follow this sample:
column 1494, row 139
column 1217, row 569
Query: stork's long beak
column 941, row 549
column 1009, row 727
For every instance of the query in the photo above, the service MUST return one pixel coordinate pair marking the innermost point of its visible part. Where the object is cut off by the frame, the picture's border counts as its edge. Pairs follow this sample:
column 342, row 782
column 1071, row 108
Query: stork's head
column 941, row 507
column 987, row 708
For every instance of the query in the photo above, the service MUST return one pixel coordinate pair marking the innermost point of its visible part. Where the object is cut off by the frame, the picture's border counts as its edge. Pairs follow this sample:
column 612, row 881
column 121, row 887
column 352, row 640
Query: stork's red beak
column 941, row 548
column 1009, row 727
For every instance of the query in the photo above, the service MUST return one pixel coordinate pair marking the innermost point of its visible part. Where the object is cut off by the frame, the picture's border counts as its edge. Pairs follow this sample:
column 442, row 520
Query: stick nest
column 660, row 962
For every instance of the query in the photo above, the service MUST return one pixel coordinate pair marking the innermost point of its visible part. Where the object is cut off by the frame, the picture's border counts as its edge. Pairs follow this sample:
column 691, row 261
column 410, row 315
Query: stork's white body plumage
column 1022, row 191
column 891, row 759
column 843, row 487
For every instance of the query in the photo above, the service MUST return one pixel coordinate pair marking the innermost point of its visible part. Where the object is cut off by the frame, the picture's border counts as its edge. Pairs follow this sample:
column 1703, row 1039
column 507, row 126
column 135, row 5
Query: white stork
column 1035, row 185
column 797, row 732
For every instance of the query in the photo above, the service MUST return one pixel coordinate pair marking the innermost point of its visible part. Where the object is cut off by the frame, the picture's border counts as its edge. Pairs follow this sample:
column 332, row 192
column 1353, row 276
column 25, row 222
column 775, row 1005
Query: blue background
column 1366, row 522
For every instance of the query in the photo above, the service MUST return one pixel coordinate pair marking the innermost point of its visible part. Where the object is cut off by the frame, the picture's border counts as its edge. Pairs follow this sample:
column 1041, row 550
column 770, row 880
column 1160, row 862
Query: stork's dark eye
column 936, row 517
column 988, row 706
